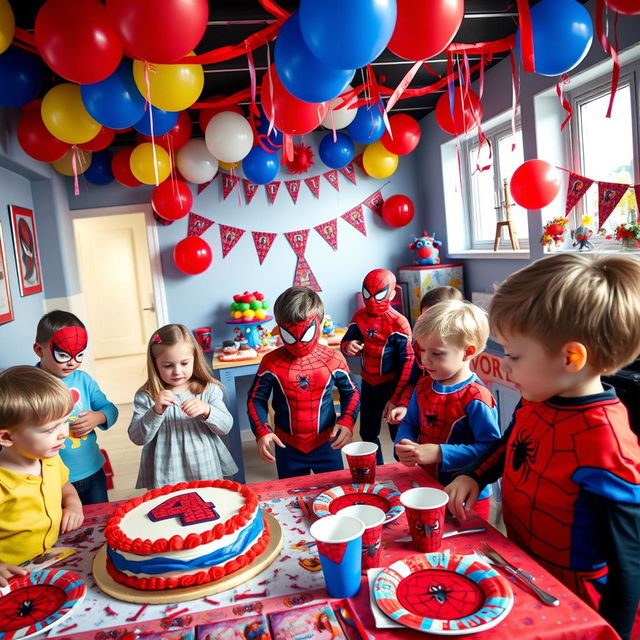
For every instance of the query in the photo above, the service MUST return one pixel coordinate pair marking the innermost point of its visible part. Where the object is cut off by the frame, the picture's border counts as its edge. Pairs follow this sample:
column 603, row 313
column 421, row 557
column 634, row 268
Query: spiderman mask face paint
column 301, row 338
column 65, row 352
column 378, row 289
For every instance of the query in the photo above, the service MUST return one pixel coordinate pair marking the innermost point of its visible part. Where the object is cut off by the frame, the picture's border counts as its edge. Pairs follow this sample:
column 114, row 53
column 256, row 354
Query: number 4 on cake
column 190, row 508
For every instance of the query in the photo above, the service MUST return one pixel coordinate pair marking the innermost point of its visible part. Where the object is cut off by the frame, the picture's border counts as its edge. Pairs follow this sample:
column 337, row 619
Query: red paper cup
column 425, row 508
column 372, row 518
column 361, row 457
column 203, row 336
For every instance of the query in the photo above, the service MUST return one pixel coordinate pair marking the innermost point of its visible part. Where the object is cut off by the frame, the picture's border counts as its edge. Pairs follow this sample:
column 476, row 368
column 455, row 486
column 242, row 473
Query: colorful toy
column 582, row 235
column 554, row 232
column 328, row 326
column 248, row 307
column 426, row 249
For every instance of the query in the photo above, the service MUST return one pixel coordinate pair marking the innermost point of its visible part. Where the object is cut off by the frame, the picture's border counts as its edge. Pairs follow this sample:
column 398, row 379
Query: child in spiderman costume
column 61, row 340
column 382, row 338
column 452, row 417
column 569, row 461
column 300, row 377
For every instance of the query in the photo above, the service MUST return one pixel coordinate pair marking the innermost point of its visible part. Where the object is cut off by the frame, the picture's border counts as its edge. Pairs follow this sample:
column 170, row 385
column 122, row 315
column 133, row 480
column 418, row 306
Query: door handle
column 151, row 308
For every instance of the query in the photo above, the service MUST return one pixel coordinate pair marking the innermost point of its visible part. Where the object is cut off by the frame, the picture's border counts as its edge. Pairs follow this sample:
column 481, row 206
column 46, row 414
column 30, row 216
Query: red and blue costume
column 387, row 356
column 571, row 492
column 301, row 376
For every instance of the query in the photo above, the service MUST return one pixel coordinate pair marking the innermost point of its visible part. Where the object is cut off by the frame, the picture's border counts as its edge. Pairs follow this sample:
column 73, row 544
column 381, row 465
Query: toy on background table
column 426, row 249
column 328, row 326
column 248, row 311
column 554, row 232
column 203, row 336
column 582, row 235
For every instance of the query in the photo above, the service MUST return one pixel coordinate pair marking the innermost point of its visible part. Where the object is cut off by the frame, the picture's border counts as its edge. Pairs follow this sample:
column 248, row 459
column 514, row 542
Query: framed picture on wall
column 6, row 310
column 25, row 244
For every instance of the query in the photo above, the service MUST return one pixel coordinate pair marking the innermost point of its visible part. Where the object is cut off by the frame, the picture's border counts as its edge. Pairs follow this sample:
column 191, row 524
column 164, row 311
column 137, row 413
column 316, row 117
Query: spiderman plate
column 443, row 594
column 34, row 603
column 376, row 495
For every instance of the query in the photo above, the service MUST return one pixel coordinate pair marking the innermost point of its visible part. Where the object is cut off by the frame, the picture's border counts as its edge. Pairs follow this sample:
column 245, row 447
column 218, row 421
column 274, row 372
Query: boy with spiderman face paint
column 300, row 377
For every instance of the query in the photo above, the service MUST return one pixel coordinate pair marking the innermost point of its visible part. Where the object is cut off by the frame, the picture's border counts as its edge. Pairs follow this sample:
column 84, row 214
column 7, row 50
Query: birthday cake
column 186, row 534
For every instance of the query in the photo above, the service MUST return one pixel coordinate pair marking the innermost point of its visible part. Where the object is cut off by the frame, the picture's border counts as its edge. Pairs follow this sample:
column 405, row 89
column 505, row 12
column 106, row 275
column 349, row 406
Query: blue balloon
column 368, row 125
column 562, row 36
column 114, row 102
column 99, row 171
column 260, row 166
column 262, row 126
column 336, row 154
column 21, row 76
column 347, row 34
column 163, row 121
column 301, row 73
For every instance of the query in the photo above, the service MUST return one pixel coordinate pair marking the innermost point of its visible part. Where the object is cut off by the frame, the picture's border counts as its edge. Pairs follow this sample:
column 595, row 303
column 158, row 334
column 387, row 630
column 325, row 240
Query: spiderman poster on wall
column 25, row 243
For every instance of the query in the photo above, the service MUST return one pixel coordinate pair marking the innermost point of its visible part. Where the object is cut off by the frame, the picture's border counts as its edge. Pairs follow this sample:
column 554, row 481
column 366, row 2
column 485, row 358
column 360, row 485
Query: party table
column 291, row 579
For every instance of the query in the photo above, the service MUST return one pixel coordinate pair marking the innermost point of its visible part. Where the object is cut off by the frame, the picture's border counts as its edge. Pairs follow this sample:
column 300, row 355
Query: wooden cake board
column 129, row 594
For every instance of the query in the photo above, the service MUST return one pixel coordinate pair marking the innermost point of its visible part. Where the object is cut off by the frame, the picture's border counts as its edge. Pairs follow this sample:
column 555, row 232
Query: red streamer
column 526, row 36
column 566, row 105
column 606, row 45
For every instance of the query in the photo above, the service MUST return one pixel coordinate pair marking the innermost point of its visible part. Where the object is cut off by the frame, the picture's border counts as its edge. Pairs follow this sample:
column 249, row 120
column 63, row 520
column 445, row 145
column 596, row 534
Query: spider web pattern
column 27, row 606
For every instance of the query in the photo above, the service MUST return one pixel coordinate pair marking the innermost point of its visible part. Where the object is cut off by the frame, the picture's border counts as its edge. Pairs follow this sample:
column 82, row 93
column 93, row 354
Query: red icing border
column 118, row 540
column 202, row 577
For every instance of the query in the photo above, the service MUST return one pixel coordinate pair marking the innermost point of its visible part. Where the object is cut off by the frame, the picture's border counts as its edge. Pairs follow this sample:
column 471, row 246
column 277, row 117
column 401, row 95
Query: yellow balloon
column 65, row 116
column 7, row 25
column 227, row 166
column 141, row 163
column 172, row 87
column 378, row 162
column 65, row 164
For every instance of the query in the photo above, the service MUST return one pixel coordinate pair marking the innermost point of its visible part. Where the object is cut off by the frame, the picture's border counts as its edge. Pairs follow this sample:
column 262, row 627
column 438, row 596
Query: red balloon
column 35, row 139
column 628, row 7
column 463, row 112
column 159, row 30
column 78, row 40
column 290, row 115
column 204, row 115
column 406, row 134
column 397, row 210
column 175, row 138
column 172, row 199
column 101, row 141
column 121, row 169
column 534, row 184
column 192, row 255
column 424, row 29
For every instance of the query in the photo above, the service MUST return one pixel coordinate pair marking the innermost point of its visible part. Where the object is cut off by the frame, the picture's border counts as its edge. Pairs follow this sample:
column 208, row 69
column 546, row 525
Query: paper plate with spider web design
column 443, row 593
column 376, row 495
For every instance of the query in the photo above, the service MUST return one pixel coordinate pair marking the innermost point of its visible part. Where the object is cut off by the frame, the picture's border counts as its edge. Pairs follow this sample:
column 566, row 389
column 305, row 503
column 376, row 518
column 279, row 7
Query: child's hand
column 9, row 570
column 354, row 347
column 164, row 399
column 87, row 421
column 195, row 407
column 264, row 446
column 410, row 453
column 343, row 435
column 72, row 518
column 463, row 493
column 406, row 452
column 396, row 415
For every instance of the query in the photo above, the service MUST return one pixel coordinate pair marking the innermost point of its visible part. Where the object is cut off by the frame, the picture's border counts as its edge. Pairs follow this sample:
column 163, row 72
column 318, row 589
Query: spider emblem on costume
column 523, row 452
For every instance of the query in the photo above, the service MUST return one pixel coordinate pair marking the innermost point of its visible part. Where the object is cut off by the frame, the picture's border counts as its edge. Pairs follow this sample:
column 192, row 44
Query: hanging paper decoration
column 314, row 185
column 228, row 183
column 609, row 194
column 332, row 178
column 302, row 159
column 161, row 221
column 250, row 189
column 349, row 172
column 329, row 231
column 197, row 225
column 355, row 218
column 229, row 236
column 636, row 189
column 375, row 202
column 204, row 185
column 272, row 190
column 263, row 241
column 576, row 188
column 293, row 187
column 358, row 162
column 304, row 276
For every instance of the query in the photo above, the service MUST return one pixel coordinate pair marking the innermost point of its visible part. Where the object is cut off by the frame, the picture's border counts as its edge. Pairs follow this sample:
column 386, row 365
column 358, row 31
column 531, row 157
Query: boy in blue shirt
column 61, row 340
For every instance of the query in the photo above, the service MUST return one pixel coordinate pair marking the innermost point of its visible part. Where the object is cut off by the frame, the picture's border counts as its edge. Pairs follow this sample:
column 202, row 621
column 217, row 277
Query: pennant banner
column 228, row 183
column 636, row 189
column 293, row 187
column 332, row 178
column 272, row 190
column 304, row 276
column 609, row 194
column 356, row 219
column 229, row 237
column 314, row 185
column 204, row 185
column 250, row 189
column 329, row 231
column 349, row 172
column 375, row 202
column 358, row 162
column 263, row 241
column 576, row 188
column 197, row 225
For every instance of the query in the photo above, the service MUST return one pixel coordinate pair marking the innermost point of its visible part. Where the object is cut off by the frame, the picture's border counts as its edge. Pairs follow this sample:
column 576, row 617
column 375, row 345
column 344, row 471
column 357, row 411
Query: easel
column 507, row 222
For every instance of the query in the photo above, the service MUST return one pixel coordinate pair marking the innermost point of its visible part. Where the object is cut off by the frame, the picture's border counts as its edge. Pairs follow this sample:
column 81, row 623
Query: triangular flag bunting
column 332, row 178
column 272, row 190
column 356, row 219
column 329, row 231
column 349, row 172
column 229, row 236
column 636, row 188
column 375, row 202
column 293, row 187
column 204, row 185
column 304, row 276
column 263, row 241
column 314, row 185
column 197, row 225
column 358, row 162
column 250, row 189
column 609, row 194
column 576, row 188
column 228, row 183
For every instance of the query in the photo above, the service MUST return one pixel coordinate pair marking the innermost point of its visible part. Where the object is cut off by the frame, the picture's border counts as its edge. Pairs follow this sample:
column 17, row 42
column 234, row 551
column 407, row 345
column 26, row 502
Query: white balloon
column 195, row 162
column 340, row 118
column 229, row 136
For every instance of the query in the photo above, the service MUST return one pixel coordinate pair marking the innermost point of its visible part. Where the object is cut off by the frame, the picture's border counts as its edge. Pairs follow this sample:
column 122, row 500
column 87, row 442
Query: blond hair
column 454, row 321
column 439, row 294
column 29, row 395
column 296, row 304
column 594, row 300
column 167, row 336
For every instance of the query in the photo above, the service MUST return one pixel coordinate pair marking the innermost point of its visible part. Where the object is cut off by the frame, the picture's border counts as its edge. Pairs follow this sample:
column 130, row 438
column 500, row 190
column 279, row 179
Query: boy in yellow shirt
column 37, row 501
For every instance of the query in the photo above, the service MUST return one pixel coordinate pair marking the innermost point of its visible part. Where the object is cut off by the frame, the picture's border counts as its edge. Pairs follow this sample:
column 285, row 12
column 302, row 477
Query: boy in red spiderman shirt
column 569, row 461
column 382, row 338
column 300, row 377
